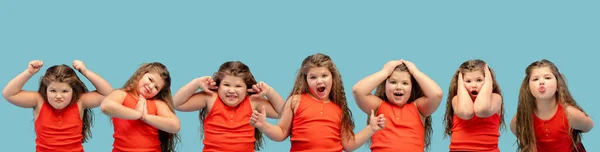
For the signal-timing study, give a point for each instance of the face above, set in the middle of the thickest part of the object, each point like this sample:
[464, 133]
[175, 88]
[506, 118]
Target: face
[59, 94]
[398, 87]
[542, 83]
[473, 82]
[150, 84]
[232, 90]
[319, 81]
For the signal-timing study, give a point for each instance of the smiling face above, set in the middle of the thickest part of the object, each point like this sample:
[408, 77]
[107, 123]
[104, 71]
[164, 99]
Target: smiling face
[232, 90]
[59, 94]
[319, 81]
[150, 84]
[542, 83]
[398, 87]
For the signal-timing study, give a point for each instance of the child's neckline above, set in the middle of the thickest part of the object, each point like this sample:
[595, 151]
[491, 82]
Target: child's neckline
[316, 99]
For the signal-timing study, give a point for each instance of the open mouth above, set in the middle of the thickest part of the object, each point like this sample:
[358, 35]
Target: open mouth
[321, 88]
[398, 94]
[474, 92]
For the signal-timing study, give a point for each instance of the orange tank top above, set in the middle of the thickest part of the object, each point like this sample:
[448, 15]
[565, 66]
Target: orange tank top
[316, 126]
[227, 128]
[59, 130]
[135, 135]
[404, 130]
[553, 134]
[475, 134]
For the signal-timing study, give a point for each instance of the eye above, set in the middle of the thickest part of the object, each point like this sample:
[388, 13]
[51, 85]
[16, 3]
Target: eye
[479, 80]
[325, 76]
[393, 82]
[468, 81]
[156, 87]
[534, 79]
[238, 86]
[548, 78]
[151, 80]
[226, 84]
[65, 91]
[312, 77]
[52, 90]
[405, 83]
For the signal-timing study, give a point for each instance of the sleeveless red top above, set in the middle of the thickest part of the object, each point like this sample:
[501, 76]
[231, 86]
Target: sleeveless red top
[228, 129]
[404, 130]
[475, 134]
[553, 134]
[316, 126]
[136, 135]
[59, 130]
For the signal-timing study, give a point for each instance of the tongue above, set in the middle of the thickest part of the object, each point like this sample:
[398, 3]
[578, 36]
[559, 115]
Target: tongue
[321, 89]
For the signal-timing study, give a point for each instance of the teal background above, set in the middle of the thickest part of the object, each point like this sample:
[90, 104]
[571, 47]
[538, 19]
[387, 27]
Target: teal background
[273, 37]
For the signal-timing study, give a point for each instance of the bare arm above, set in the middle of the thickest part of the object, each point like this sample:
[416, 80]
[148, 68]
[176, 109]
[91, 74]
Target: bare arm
[103, 88]
[579, 120]
[375, 124]
[276, 132]
[513, 125]
[462, 102]
[274, 102]
[165, 119]
[186, 98]
[112, 106]
[487, 103]
[363, 88]
[12, 91]
[433, 93]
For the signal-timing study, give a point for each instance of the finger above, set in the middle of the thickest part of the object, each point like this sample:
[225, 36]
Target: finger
[372, 113]
[251, 90]
[255, 87]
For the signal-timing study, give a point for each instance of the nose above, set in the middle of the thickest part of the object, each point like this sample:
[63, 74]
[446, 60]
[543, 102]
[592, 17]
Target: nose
[319, 80]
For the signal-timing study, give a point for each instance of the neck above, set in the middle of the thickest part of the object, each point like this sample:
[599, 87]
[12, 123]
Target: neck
[545, 104]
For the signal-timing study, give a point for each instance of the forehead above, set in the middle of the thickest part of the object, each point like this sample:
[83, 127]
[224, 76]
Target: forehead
[156, 77]
[232, 79]
[473, 74]
[318, 70]
[59, 85]
[541, 71]
[400, 75]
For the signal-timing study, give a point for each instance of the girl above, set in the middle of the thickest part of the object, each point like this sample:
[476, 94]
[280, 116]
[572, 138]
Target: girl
[224, 115]
[316, 113]
[474, 108]
[408, 98]
[548, 118]
[62, 105]
[142, 111]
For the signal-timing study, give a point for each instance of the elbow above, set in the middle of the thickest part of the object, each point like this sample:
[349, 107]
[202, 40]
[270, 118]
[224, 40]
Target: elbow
[465, 115]
[176, 129]
[279, 139]
[589, 127]
[105, 107]
[483, 113]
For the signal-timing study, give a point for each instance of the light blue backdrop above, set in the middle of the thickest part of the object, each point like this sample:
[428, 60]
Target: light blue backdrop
[194, 37]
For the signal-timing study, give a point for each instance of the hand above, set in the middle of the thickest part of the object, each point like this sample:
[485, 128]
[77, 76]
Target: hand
[487, 74]
[206, 83]
[258, 119]
[460, 81]
[409, 65]
[34, 66]
[376, 123]
[261, 89]
[79, 66]
[141, 106]
[391, 65]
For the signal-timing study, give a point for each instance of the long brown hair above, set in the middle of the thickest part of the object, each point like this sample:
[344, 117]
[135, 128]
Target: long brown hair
[415, 94]
[527, 105]
[168, 141]
[337, 94]
[236, 69]
[468, 66]
[65, 74]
